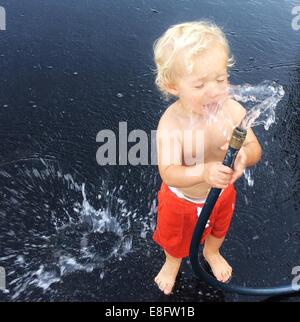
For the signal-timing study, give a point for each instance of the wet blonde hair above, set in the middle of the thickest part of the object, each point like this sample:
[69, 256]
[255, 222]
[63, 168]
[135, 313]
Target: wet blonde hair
[192, 38]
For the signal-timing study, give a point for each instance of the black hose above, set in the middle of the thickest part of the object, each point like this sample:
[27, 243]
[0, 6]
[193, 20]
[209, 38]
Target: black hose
[234, 146]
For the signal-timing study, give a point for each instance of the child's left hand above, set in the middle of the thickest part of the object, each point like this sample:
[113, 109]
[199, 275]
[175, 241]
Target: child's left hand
[240, 163]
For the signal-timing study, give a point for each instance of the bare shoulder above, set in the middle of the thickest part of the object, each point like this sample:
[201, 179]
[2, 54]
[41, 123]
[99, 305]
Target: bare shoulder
[168, 120]
[235, 110]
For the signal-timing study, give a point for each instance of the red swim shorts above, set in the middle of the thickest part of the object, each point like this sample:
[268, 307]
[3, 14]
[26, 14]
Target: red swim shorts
[177, 217]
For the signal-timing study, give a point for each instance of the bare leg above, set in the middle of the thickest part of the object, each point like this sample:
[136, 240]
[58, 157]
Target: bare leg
[165, 279]
[220, 268]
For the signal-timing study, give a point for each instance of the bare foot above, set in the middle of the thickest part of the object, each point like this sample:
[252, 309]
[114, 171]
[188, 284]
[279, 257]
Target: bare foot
[165, 279]
[219, 266]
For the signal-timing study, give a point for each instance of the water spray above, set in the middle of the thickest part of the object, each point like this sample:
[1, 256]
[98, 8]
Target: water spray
[236, 142]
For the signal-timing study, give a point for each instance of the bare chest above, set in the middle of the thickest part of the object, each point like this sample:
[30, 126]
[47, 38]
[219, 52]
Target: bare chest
[202, 143]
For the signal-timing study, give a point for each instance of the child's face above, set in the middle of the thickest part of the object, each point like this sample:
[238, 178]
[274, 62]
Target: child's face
[208, 83]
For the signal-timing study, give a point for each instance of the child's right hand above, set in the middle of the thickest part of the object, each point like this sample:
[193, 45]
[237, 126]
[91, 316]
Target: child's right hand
[217, 175]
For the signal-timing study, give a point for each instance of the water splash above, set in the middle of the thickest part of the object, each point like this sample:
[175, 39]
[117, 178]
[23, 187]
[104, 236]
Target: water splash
[263, 99]
[50, 229]
[214, 113]
[259, 100]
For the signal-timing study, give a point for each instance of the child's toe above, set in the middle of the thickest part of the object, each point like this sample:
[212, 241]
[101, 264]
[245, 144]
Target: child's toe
[168, 288]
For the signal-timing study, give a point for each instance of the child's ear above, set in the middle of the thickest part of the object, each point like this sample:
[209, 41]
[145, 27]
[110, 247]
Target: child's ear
[172, 89]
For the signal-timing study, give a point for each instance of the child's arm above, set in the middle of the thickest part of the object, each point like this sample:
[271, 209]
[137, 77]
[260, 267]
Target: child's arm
[252, 149]
[249, 154]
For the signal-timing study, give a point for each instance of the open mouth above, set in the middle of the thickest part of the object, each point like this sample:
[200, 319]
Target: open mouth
[211, 108]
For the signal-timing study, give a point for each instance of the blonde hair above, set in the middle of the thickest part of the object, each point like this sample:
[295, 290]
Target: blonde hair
[191, 38]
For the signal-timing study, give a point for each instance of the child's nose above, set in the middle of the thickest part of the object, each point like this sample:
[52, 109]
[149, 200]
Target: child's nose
[217, 92]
